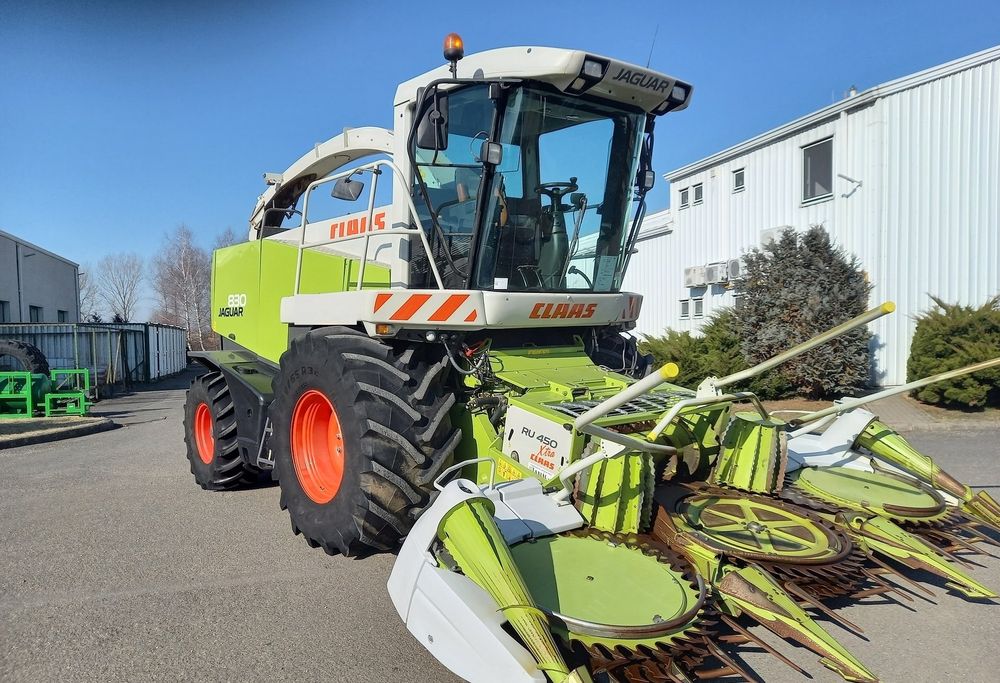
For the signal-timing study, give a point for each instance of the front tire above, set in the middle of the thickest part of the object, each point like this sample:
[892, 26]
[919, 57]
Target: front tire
[360, 433]
[210, 435]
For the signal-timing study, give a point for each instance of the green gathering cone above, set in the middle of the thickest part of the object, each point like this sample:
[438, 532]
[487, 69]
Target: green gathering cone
[471, 536]
[888, 539]
[754, 592]
[983, 509]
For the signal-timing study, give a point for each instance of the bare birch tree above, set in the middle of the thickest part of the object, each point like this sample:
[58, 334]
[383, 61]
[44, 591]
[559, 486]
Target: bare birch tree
[90, 295]
[226, 238]
[119, 281]
[182, 273]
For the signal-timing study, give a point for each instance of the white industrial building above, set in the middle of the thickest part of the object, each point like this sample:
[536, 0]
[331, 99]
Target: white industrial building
[905, 175]
[36, 286]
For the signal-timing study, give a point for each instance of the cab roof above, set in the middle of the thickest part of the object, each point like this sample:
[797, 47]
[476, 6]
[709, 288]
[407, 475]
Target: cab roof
[608, 78]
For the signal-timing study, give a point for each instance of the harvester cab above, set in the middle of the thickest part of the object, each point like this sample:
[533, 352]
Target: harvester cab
[518, 181]
[449, 375]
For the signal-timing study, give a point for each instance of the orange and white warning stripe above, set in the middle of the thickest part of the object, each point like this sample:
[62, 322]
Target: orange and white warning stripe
[427, 308]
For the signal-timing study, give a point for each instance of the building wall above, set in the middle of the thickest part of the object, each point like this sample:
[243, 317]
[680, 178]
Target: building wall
[923, 221]
[47, 281]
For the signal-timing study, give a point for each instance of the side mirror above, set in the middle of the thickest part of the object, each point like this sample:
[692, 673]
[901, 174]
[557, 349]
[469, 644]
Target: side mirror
[347, 189]
[646, 179]
[432, 129]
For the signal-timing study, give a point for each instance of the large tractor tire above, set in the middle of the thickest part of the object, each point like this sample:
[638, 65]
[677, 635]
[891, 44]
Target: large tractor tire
[210, 435]
[360, 433]
[25, 357]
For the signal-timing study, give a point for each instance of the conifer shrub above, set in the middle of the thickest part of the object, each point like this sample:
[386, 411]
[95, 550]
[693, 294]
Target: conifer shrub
[794, 288]
[951, 336]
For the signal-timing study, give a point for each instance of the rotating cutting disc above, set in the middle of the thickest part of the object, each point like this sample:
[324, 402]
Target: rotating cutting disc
[791, 543]
[626, 601]
[759, 529]
[884, 494]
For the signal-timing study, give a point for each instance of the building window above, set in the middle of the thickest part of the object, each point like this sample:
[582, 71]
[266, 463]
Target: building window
[699, 307]
[685, 309]
[684, 198]
[817, 171]
[5, 312]
[63, 316]
[698, 193]
[35, 314]
[739, 301]
[738, 180]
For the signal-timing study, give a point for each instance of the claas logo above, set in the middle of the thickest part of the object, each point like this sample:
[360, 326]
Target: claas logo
[543, 310]
[357, 225]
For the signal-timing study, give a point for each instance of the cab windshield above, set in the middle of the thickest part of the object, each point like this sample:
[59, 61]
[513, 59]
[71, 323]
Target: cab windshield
[555, 213]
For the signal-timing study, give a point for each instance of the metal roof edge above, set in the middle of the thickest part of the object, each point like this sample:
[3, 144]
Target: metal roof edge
[655, 224]
[859, 100]
[15, 238]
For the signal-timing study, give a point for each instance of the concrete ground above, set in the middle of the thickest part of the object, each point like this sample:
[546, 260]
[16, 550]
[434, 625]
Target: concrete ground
[114, 565]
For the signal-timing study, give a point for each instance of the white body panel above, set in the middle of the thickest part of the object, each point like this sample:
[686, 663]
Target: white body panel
[834, 448]
[532, 440]
[455, 619]
[459, 309]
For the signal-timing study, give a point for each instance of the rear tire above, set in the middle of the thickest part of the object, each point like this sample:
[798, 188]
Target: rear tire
[360, 433]
[29, 358]
[210, 435]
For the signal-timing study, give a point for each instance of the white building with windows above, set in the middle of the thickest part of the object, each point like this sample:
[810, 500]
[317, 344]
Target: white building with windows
[36, 286]
[905, 175]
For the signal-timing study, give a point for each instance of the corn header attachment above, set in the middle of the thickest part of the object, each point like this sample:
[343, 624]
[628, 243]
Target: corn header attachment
[678, 525]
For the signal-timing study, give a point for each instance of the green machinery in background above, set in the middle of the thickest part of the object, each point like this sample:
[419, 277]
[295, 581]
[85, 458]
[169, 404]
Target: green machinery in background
[61, 392]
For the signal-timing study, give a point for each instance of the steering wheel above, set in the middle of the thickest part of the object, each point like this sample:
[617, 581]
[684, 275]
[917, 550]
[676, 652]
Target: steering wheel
[557, 190]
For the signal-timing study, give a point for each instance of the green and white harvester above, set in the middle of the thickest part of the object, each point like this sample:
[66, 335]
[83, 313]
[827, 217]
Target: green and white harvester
[441, 367]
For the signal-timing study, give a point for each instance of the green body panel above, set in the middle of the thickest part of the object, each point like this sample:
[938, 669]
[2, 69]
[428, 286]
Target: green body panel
[540, 380]
[250, 279]
[754, 454]
[618, 493]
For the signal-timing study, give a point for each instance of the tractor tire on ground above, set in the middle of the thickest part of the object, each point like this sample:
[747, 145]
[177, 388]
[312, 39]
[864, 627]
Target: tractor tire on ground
[26, 357]
[210, 435]
[360, 433]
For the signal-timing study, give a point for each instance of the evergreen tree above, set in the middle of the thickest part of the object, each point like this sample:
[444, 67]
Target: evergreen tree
[795, 288]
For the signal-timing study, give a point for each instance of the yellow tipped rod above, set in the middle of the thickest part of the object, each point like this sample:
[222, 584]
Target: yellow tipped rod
[852, 403]
[824, 337]
[646, 384]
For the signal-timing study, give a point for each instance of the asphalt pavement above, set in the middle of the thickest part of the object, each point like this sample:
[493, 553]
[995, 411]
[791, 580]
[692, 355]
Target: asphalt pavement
[115, 566]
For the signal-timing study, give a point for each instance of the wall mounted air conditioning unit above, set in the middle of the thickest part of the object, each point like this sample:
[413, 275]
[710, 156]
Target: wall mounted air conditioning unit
[736, 269]
[695, 276]
[717, 273]
[773, 234]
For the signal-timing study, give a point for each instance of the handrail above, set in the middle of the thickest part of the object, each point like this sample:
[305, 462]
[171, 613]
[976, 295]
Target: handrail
[634, 390]
[822, 338]
[373, 168]
[852, 403]
[676, 409]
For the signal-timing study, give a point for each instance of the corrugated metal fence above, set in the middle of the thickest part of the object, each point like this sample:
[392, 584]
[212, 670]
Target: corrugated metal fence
[115, 354]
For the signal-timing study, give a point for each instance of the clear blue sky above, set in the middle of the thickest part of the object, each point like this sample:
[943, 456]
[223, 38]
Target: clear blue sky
[119, 120]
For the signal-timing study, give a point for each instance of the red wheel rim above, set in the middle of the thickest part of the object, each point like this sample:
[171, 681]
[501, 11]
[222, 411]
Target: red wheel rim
[203, 437]
[317, 447]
